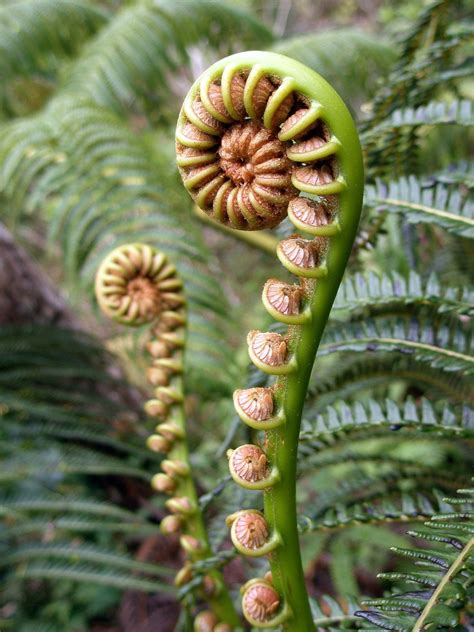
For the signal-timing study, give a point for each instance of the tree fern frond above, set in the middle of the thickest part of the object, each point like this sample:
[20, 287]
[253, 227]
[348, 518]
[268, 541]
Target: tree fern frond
[331, 614]
[34, 34]
[74, 524]
[425, 200]
[350, 59]
[440, 594]
[434, 113]
[148, 41]
[54, 460]
[341, 422]
[375, 292]
[102, 187]
[75, 428]
[89, 573]
[79, 553]
[438, 346]
[398, 506]
[57, 503]
[359, 373]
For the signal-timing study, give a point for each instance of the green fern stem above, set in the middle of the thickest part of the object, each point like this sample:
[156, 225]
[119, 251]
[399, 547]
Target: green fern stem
[135, 285]
[280, 130]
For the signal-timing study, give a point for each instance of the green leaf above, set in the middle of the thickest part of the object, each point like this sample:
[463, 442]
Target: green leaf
[438, 345]
[341, 422]
[351, 60]
[425, 200]
[377, 293]
[147, 42]
[76, 553]
[447, 569]
[89, 573]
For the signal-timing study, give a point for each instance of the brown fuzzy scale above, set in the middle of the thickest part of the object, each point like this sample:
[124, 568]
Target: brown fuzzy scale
[304, 253]
[261, 601]
[250, 463]
[269, 348]
[251, 530]
[256, 402]
[309, 212]
[285, 298]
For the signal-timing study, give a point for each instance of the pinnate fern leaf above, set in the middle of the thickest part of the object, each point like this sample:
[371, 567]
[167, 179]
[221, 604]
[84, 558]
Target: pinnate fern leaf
[375, 293]
[439, 594]
[425, 200]
[438, 345]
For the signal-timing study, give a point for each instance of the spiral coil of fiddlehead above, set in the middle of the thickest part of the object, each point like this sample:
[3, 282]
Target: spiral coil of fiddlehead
[135, 285]
[261, 137]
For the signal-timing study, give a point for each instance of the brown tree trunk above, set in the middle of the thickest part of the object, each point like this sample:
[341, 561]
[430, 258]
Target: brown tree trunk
[26, 294]
[27, 297]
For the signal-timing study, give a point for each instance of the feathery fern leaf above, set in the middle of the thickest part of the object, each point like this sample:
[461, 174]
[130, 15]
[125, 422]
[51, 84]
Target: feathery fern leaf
[351, 60]
[434, 113]
[101, 187]
[66, 551]
[357, 373]
[53, 460]
[146, 43]
[399, 506]
[331, 614]
[374, 293]
[427, 200]
[440, 346]
[341, 422]
[57, 503]
[441, 590]
[35, 34]
[90, 573]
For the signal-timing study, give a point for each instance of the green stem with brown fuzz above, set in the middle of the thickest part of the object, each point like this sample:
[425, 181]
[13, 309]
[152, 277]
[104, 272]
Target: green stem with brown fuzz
[256, 130]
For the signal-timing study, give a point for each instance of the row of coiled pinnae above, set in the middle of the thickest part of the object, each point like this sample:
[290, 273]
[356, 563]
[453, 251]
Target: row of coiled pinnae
[248, 144]
[251, 151]
[135, 285]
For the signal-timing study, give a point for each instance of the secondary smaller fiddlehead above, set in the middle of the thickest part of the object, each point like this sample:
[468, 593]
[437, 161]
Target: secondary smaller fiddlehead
[135, 285]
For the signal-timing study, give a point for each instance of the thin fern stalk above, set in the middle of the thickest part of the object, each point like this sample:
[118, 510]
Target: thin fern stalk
[300, 139]
[135, 285]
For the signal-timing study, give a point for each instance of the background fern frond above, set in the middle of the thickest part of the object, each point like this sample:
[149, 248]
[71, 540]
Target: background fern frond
[147, 42]
[34, 36]
[439, 594]
[351, 60]
[339, 422]
[374, 293]
[425, 200]
[438, 346]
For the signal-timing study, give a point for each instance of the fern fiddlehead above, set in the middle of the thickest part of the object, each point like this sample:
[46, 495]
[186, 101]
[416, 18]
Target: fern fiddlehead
[261, 137]
[135, 285]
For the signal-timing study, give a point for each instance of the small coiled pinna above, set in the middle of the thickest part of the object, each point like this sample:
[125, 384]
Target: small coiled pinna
[136, 285]
[261, 137]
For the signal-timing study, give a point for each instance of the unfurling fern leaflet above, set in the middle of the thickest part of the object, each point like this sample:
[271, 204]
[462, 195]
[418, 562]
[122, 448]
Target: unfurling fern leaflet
[261, 137]
[136, 284]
